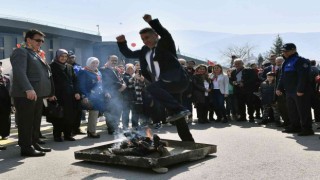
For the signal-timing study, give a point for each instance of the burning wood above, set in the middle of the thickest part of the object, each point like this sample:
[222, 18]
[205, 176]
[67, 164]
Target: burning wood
[139, 145]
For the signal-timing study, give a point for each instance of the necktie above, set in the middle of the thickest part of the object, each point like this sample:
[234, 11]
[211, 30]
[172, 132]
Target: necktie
[153, 69]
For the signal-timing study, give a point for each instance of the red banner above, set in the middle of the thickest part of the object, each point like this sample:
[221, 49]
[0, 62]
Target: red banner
[210, 63]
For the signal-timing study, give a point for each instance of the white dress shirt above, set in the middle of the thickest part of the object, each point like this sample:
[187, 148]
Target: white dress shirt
[156, 65]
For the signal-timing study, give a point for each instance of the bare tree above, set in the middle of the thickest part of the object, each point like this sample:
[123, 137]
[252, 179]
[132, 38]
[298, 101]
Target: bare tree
[242, 52]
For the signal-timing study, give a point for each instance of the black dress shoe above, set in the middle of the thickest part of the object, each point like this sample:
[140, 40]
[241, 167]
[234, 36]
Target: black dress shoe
[241, 119]
[263, 122]
[69, 138]
[42, 137]
[3, 147]
[42, 149]
[292, 130]
[251, 119]
[278, 124]
[41, 142]
[225, 120]
[178, 115]
[306, 133]
[218, 120]
[30, 152]
[58, 139]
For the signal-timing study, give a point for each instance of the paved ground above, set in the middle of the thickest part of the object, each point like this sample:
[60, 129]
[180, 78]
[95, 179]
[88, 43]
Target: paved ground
[245, 151]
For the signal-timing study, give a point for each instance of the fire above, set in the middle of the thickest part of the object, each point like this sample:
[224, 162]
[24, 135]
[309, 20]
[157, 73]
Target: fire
[149, 133]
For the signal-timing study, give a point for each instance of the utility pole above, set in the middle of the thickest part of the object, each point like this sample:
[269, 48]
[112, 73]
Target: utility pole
[98, 29]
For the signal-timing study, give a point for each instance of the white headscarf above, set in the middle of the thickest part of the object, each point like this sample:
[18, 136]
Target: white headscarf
[90, 60]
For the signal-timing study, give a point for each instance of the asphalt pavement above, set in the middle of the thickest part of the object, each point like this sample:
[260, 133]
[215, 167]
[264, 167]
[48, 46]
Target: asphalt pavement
[244, 151]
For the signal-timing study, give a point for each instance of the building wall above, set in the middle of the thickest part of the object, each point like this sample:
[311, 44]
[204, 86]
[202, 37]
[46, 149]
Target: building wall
[83, 49]
[105, 49]
[12, 32]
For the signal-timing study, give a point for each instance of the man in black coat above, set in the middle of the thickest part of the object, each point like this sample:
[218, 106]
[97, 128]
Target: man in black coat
[159, 65]
[244, 81]
[281, 100]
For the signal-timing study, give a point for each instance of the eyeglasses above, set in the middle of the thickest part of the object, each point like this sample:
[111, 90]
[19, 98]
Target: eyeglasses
[39, 40]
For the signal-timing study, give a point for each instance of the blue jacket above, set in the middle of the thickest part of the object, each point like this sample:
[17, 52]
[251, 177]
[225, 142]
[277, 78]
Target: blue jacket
[76, 68]
[90, 86]
[295, 75]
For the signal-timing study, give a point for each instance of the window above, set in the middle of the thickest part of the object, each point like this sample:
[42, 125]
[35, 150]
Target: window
[1, 47]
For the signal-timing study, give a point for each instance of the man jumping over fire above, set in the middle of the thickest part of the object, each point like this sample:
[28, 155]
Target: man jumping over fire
[160, 66]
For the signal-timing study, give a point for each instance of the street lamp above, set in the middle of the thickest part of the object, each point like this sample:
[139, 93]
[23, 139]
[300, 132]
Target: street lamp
[98, 29]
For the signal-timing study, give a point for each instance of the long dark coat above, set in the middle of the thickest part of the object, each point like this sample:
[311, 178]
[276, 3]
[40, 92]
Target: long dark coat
[5, 106]
[65, 89]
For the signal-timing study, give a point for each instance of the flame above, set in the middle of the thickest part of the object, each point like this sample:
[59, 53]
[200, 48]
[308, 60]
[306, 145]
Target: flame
[149, 133]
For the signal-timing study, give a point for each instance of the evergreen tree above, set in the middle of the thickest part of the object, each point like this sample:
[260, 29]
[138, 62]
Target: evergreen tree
[276, 49]
[260, 60]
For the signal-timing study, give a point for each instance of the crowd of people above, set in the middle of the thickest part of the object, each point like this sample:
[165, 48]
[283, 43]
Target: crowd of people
[158, 89]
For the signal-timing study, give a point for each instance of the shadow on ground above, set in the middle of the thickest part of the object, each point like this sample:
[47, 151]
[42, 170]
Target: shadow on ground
[116, 171]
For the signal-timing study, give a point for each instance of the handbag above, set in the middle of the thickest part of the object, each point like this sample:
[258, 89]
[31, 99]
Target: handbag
[54, 110]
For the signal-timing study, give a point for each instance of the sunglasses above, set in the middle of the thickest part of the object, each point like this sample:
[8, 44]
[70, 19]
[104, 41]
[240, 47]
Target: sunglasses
[39, 40]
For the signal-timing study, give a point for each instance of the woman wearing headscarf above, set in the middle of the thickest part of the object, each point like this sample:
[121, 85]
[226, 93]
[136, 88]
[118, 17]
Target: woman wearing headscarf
[66, 93]
[90, 86]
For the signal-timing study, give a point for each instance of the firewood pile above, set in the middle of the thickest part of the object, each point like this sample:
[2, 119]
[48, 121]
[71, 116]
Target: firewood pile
[136, 144]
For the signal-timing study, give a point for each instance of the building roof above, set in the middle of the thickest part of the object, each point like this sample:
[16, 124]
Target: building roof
[8, 25]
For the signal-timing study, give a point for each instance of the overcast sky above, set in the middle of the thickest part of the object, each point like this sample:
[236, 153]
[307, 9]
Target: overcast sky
[121, 16]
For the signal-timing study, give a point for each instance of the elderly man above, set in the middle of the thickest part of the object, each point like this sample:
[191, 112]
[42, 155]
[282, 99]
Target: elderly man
[159, 65]
[281, 100]
[114, 85]
[295, 81]
[244, 81]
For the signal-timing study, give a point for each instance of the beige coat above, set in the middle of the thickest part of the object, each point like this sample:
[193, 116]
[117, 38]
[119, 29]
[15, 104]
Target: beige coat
[223, 82]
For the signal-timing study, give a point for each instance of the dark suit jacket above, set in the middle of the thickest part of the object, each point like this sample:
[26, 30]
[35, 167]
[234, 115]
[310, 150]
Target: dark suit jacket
[165, 54]
[111, 82]
[30, 73]
[249, 79]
